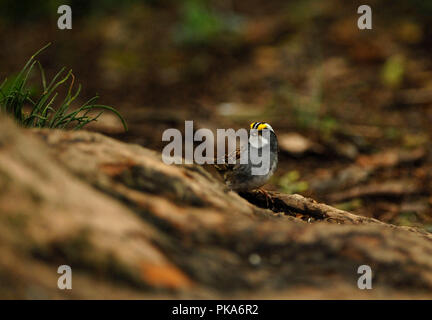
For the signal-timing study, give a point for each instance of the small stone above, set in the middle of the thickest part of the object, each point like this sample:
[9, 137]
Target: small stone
[254, 259]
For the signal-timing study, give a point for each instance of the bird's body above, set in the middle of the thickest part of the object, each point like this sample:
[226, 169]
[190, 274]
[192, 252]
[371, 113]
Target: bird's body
[241, 177]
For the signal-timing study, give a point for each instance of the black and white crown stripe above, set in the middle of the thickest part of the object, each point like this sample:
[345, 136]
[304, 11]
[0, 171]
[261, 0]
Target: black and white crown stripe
[257, 124]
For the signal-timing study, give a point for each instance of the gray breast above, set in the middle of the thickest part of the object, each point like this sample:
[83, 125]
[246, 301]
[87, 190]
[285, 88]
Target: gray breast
[242, 178]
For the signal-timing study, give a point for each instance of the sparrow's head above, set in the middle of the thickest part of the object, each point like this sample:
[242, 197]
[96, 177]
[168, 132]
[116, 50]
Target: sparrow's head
[260, 126]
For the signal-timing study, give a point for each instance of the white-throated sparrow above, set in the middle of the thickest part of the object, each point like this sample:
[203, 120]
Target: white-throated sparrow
[241, 177]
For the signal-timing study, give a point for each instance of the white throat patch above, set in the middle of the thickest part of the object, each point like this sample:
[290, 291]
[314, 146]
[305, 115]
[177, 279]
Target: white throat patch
[258, 141]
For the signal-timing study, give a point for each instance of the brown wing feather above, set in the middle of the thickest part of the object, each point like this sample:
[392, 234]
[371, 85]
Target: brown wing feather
[235, 155]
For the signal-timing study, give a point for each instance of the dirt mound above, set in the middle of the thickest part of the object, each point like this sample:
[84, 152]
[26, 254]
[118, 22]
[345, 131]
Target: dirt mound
[132, 227]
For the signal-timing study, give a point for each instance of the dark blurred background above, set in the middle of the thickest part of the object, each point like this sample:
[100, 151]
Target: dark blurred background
[352, 108]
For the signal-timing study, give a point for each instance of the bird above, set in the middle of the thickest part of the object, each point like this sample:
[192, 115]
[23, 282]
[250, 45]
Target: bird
[239, 177]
